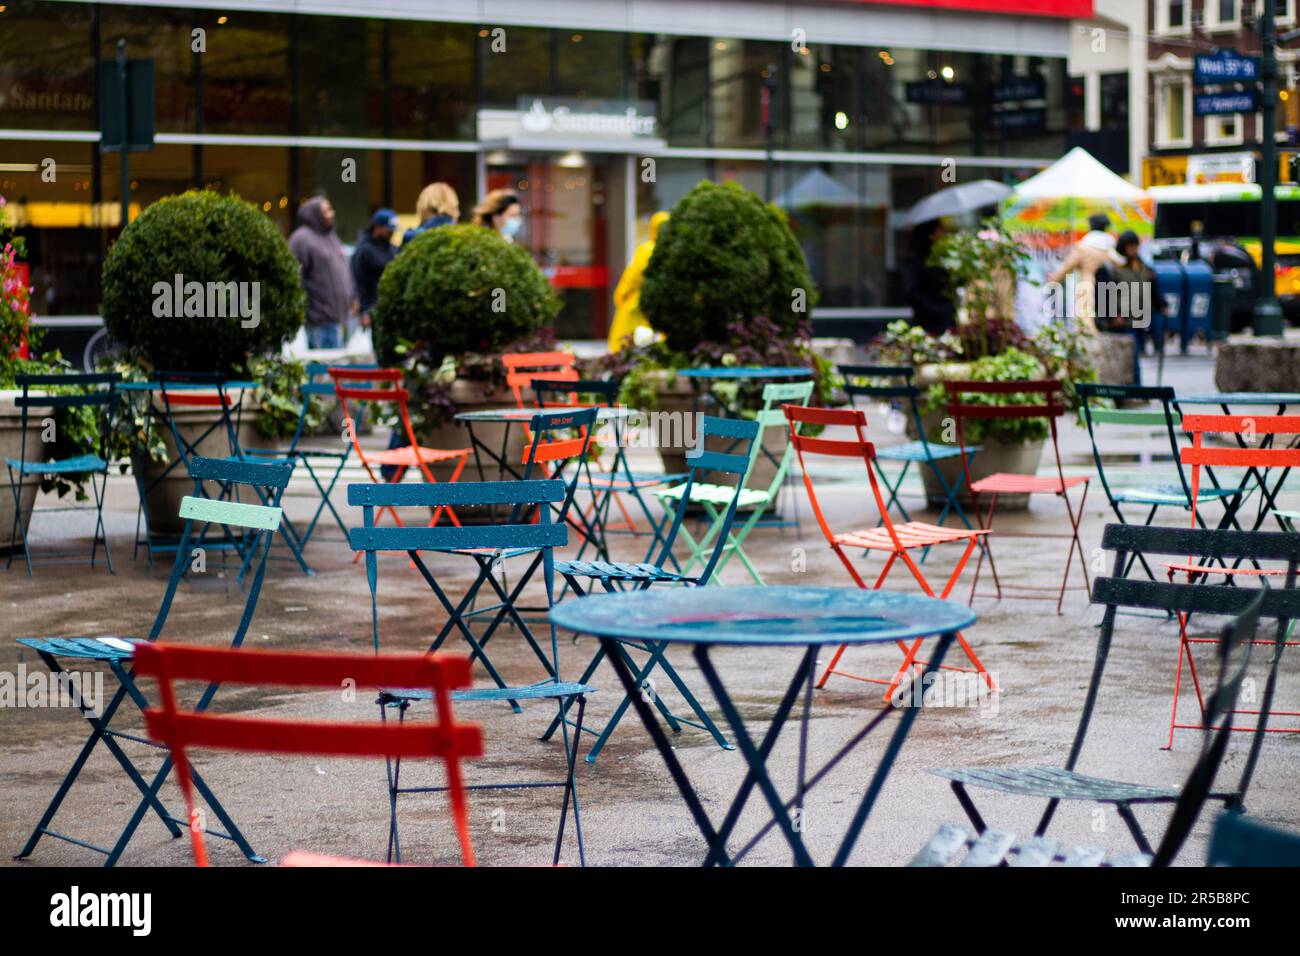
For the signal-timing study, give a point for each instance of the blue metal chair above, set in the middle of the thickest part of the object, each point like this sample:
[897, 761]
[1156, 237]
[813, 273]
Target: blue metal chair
[919, 452]
[93, 391]
[1149, 494]
[616, 576]
[488, 545]
[312, 389]
[261, 521]
[606, 486]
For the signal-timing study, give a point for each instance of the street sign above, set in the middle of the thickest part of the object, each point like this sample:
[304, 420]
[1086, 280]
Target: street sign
[139, 111]
[1225, 66]
[1018, 88]
[1221, 168]
[1221, 104]
[1164, 171]
[937, 91]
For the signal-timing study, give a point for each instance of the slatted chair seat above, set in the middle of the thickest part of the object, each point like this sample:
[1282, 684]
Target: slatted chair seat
[915, 451]
[545, 691]
[498, 553]
[638, 572]
[65, 466]
[1171, 494]
[999, 848]
[715, 495]
[81, 648]
[1005, 483]
[1056, 783]
[911, 534]
[411, 457]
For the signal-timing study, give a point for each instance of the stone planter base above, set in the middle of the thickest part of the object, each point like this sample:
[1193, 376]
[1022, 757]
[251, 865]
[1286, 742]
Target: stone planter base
[1248, 364]
[994, 457]
[11, 446]
[1112, 356]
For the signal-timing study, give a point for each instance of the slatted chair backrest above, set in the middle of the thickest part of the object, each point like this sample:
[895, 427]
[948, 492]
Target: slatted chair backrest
[1249, 428]
[563, 392]
[179, 729]
[1048, 405]
[857, 447]
[361, 384]
[182, 390]
[1280, 604]
[371, 540]
[523, 367]
[1096, 417]
[543, 450]
[262, 521]
[886, 383]
[1240, 841]
[92, 390]
[741, 434]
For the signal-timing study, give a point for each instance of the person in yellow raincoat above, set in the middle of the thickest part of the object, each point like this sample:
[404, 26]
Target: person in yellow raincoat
[627, 297]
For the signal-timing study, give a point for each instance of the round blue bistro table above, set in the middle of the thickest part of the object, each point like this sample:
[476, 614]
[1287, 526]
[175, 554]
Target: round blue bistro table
[1225, 401]
[778, 616]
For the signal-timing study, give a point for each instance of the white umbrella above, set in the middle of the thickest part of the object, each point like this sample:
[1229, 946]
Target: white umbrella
[815, 188]
[965, 197]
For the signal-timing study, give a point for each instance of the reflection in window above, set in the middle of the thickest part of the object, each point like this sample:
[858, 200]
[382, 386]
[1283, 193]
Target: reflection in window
[431, 69]
[340, 81]
[523, 68]
[45, 67]
[246, 78]
[165, 37]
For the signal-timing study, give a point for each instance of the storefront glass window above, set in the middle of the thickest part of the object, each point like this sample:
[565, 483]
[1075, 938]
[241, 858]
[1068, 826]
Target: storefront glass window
[247, 84]
[524, 67]
[340, 80]
[354, 198]
[165, 37]
[45, 66]
[431, 77]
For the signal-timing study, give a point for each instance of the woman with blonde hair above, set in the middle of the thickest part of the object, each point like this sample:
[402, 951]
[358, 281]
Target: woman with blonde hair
[500, 210]
[437, 205]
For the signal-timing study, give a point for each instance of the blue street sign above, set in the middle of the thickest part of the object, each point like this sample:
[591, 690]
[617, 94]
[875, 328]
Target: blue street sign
[1226, 66]
[1220, 104]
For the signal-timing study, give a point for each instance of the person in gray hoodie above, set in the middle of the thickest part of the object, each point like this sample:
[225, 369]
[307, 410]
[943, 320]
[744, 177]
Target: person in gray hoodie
[326, 275]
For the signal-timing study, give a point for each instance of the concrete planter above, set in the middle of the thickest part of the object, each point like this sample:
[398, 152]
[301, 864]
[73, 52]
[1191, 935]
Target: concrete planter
[163, 501]
[11, 444]
[1248, 364]
[1111, 354]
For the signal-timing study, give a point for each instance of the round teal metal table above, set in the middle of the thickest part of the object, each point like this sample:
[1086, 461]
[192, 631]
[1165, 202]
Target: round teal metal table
[778, 616]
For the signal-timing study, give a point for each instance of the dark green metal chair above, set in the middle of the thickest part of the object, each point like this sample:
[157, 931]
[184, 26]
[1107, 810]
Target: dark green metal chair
[1241, 841]
[1066, 783]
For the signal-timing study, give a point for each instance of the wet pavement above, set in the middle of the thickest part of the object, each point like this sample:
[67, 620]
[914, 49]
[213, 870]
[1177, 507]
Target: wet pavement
[631, 811]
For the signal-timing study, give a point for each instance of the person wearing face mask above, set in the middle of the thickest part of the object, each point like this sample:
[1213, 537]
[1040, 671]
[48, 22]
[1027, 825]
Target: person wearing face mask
[501, 210]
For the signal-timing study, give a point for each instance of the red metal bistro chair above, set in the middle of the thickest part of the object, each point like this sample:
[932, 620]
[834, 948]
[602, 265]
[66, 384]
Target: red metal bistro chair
[896, 540]
[1050, 407]
[1257, 461]
[523, 367]
[179, 729]
[384, 385]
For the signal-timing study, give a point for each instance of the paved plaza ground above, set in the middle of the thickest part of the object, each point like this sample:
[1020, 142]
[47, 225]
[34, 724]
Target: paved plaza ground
[631, 810]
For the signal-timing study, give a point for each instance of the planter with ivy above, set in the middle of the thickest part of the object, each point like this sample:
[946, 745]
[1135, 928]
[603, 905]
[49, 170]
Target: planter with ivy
[450, 304]
[986, 345]
[211, 239]
[727, 285]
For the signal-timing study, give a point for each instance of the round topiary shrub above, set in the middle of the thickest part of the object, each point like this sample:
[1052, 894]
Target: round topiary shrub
[724, 256]
[456, 290]
[200, 282]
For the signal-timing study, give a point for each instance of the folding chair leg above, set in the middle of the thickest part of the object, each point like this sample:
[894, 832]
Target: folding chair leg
[1126, 814]
[972, 814]
[571, 749]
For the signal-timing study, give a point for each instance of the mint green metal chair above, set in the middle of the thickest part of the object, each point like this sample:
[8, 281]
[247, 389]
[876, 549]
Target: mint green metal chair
[715, 500]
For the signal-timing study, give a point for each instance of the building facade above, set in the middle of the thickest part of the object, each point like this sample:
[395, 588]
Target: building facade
[597, 113]
[1187, 148]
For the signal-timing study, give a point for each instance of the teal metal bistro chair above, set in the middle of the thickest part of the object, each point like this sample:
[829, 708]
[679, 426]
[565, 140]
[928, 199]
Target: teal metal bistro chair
[719, 500]
[488, 545]
[1139, 426]
[1240, 841]
[95, 391]
[261, 522]
[312, 390]
[893, 384]
[614, 576]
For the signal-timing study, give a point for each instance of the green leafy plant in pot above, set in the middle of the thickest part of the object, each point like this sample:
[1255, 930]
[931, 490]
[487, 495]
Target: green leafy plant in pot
[727, 285]
[453, 300]
[203, 281]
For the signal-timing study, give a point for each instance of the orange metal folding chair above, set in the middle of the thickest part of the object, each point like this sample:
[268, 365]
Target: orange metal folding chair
[523, 367]
[385, 385]
[1257, 461]
[1049, 406]
[179, 729]
[895, 540]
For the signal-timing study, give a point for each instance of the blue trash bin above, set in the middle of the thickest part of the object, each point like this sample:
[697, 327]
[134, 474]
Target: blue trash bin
[1200, 298]
[1171, 291]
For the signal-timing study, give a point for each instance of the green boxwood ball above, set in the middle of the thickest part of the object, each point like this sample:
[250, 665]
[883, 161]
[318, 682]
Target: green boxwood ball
[459, 289]
[204, 237]
[724, 256]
